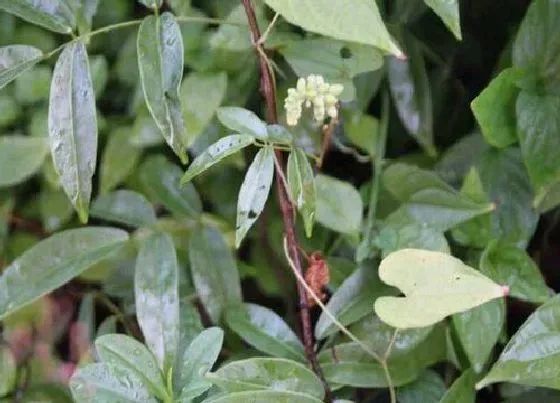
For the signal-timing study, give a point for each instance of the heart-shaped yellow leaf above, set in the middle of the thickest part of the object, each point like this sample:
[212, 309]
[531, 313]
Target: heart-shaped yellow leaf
[435, 285]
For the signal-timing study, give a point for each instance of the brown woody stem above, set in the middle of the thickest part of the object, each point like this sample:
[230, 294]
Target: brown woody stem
[269, 92]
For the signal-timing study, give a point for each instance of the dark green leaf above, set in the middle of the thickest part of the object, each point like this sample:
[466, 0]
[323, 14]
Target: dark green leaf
[494, 109]
[448, 11]
[263, 329]
[267, 374]
[119, 160]
[339, 206]
[53, 262]
[55, 208]
[242, 121]
[462, 390]
[223, 148]
[161, 179]
[125, 207]
[20, 158]
[429, 388]
[55, 16]
[160, 62]
[301, 183]
[15, 59]
[214, 272]
[254, 192]
[108, 383]
[348, 20]
[73, 125]
[118, 349]
[157, 301]
[507, 264]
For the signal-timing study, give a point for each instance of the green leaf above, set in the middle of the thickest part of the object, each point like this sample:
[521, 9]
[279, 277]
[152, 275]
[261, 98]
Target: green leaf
[264, 396]
[267, 374]
[201, 95]
[53, 262]
[242, 121]
[119, 160]
[33, 85]
[221, 149]
[429, 200]
[531, 356]
[279, 134]
[125, 207]
[337, 61]
[55, 208]
[122, 350]
[362, 130]
[191, 326]
[352, 300]
[348, 20]
[263, 329]
[99, 71]
[538, 124]
[339, 206]
[161, 179]
[8, 371]
[16, 59]
[494, 109]
[214, 272]
[157, 301]
[507, 264]
[151, 3]
[254, 192]
[429, 388]
[537, 45]
[448, 11]
[54, 16]
[108, 383]
[435, 284]
[478, 330]
[411, 91]
[301, 183]
[160, 62]
[198, 359]
[462, 390]
[20, 158]
[73, 125]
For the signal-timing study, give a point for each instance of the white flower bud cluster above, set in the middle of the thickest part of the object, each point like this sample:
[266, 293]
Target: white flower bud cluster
[312, 91]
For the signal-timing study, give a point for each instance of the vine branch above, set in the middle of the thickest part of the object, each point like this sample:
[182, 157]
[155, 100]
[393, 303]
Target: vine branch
[268, 90]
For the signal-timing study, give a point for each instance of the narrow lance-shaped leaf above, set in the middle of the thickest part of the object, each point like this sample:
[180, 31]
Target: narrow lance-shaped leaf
[448, 11]
[157, 297]
[125, 207]
[254, 192]
[15, 59]
[435, 285]
[56, 16]
[221, 149]
[53, 262]
[302, 187]
[242, 121]
[73, 125]
[349, 20]
[160, 62]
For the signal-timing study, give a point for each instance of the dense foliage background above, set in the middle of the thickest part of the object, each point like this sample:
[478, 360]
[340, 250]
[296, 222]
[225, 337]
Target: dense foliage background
[137, 268]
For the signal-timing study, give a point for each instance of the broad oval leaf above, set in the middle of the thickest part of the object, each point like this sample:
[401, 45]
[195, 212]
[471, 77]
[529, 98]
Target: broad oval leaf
[221, 149]
[160, 62]
[448, 11]
[214, 272]
[108, 383]
[348, 20]
[161, 179]
[16, 59]
[242, 121]
[122, 350]
[198, 359]
[435, 284]
[53, 262]
[156, 293]
[20, 158]
[267, 374]
[339, 205]
[73, 125]
[254, 192]
[531, 356]
[301, 183]
[125, 207]
[263, 329]
[56, 16]
[265, 396]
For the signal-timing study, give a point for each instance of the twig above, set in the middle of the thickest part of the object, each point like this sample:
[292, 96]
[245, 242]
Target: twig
[269, 91]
